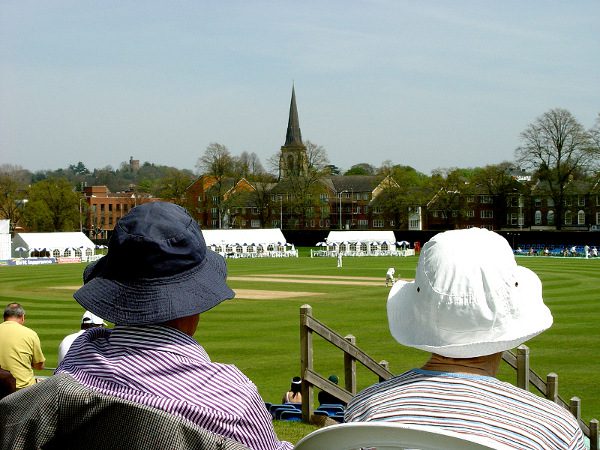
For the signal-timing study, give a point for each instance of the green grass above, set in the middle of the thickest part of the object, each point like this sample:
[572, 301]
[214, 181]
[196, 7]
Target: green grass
[261, 337]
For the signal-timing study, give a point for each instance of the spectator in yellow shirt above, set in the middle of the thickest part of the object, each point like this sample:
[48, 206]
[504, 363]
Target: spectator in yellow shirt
[20, 349]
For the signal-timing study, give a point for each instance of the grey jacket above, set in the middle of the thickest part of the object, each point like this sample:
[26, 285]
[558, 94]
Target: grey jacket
[60, 413]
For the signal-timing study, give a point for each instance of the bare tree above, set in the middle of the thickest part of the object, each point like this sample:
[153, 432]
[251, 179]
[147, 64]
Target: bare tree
[218, 163]
[557, 147]
[248, 166]
[316, 156]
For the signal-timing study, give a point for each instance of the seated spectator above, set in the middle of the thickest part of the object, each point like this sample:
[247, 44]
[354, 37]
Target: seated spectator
[20, 347]
[156, 279]
[88, 321]
[8, 384]
[466, 307]
[293, 395]
[325, 398]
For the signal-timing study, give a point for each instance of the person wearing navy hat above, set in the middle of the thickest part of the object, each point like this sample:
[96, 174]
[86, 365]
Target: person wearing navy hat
[156, 279]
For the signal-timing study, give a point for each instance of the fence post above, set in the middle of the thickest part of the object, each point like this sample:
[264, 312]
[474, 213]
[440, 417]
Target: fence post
[386, 366]
[552, 387]
[306, 361]
[575, 407]
[350, 367]
[523, 367]
[594, 444]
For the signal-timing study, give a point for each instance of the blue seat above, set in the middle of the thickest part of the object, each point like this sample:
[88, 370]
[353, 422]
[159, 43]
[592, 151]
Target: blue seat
[274, 409]
[331, 409]
[290, 415]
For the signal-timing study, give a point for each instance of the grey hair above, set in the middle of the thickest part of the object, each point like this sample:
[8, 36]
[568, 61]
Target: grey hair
[13, 310]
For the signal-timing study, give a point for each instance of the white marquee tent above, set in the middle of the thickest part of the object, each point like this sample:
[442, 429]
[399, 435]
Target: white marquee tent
[253, 243]
[362, 243]
[59, 244]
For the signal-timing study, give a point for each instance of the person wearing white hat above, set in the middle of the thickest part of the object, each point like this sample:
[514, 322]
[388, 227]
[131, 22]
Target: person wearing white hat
[89, 320]
[469, 302]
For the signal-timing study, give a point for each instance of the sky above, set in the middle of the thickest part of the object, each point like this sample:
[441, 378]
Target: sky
[427, 84]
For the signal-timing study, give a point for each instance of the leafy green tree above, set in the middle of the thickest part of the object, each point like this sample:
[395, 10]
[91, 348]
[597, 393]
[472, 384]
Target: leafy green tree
[13, 184]
[361, 169]
[557, 147]
[53, 206]
[173, 184]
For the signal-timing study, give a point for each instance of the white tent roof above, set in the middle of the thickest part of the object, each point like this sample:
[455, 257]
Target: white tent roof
[360, 236]
[51, 241]
[233, 236]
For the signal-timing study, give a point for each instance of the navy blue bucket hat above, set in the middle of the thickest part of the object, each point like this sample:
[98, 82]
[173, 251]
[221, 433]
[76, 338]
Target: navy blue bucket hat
[157, 269]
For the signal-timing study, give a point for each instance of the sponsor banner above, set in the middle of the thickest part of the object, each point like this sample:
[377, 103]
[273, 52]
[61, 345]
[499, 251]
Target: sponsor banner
[34, 261]
[67, 260]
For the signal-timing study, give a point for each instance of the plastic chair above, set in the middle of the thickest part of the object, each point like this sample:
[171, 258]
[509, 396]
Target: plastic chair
[388, 436]
[331, 409]
[290, 415]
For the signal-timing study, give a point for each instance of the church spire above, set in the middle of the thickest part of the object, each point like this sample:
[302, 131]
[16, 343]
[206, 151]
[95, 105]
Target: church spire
[293, 135]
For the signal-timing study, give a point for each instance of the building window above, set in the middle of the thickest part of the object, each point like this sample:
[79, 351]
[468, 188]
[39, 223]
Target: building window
[550, 217]
[363, 223]
[550, 202]
[366, 196]
[413, 224]
[214, 211]
[214, 223]
[392, 223]
[514, 217]
[580, 217]
[538, 217]
[568, 218]
[487, 214]
[434, 213]
[486, 199]
[255, 223]
[377, 209]
[597, 200]
[537, 202]
[215, 199]
[580, 200]
[598, 218]
[324, 198]
[470, 199]
[254, 210]
[471, 213]
[377, 223]
[357, 210]
[568, 201]
[347, 194]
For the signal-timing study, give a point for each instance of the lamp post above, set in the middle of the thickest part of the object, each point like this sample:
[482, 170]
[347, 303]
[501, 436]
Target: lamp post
[80, 214]
[340, 208]
[281, 211]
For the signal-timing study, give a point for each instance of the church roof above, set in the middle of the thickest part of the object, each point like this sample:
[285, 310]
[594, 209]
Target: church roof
[293, 135]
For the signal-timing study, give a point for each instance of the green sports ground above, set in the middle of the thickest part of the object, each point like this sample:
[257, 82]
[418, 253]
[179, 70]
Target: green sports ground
[259, 330]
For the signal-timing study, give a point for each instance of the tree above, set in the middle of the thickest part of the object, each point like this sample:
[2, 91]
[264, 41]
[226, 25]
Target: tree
[218, 163]
[316, 156]
[361, 169]
[557, 147]
[13, 183]
[173, 185]
[52, 206]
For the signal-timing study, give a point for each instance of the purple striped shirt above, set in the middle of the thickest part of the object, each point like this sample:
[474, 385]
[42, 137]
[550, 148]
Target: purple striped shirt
[166, 369]
[477, 405]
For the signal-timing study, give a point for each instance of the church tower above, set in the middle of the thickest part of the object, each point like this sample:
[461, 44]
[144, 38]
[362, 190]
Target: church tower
[293, 159]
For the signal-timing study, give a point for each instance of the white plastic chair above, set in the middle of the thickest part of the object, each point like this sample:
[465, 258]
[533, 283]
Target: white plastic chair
[388, 436]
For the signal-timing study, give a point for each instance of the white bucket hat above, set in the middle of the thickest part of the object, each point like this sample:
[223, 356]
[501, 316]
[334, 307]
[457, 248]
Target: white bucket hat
[469, 298]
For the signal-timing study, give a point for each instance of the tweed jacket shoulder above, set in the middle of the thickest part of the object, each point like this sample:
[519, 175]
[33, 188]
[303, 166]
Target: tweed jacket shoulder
[61, 413]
